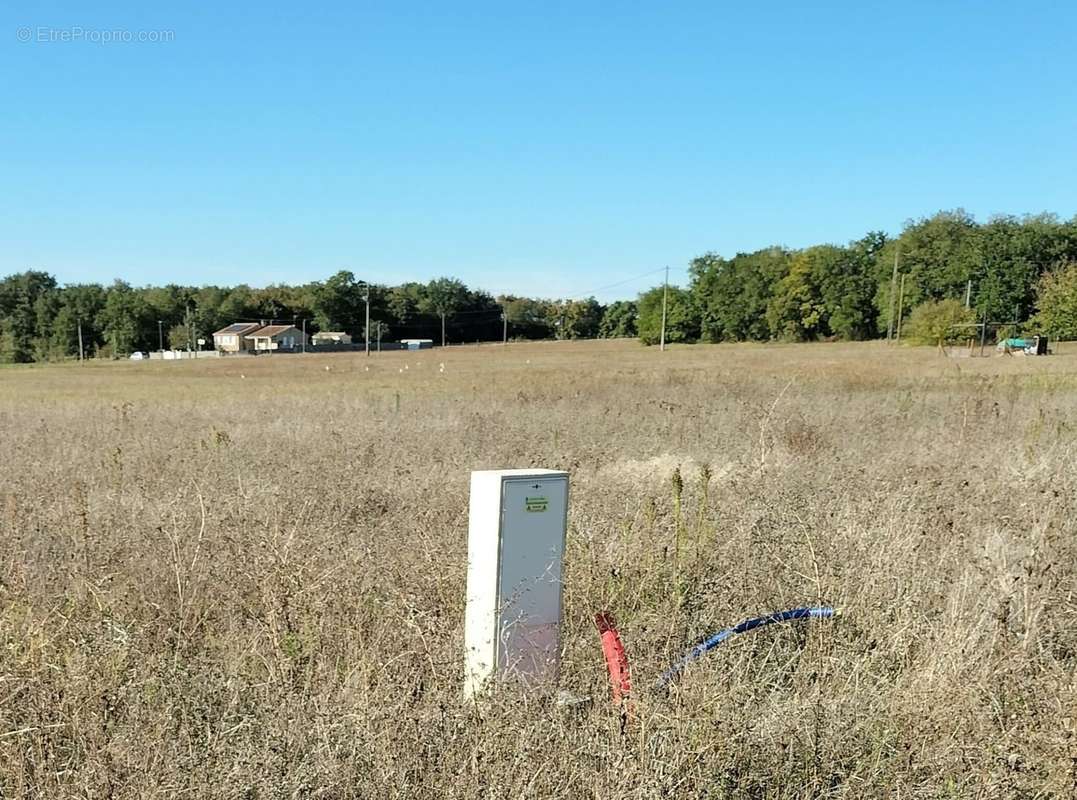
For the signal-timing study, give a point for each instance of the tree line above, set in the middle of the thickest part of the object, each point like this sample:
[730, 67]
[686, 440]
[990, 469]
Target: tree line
[1013, 272]
[949, 270]
[41, 320]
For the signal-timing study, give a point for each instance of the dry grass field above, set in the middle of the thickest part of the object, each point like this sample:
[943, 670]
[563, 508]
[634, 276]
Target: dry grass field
[245, 578]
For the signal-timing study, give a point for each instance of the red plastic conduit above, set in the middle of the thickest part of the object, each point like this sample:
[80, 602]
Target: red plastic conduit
[616, 659]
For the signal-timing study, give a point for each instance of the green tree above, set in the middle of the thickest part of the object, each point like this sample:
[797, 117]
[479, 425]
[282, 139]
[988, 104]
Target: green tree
[1013, 253]
[178, 337]
[938, 322]
[9, 353]
[796, 311]
[403, 301]
[704, 271]
[732, 295]
[24, 323]
[585, 318]
[240, 304]
[937, 254]
[682, 320]
[286, 304]
[528, 318]
[209, 302]
[575, 319]
[46, 308]
[167, 303]
[78, 305]
[479, 318]
[847, 285]
[127, 321]
[443, 297]
[339, 304]
[1056, 302]
[619, 320]
[169, 307]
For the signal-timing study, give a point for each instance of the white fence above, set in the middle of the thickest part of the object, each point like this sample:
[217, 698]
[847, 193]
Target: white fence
[175, 355]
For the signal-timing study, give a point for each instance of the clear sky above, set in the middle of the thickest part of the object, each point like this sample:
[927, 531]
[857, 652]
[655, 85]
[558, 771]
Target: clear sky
[542, 148]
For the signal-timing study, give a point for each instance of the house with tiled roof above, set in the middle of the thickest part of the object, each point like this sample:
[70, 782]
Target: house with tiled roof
[231, 339]
[276, 337]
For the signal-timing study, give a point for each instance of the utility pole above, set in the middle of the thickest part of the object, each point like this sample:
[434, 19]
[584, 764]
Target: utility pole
[983, 334]
[366, 329]
[160, 337]
[504, 326]
[901, 307]
[665, 298]
[304, 339]
[379, 335]
[968, 294]
[80, 341]
[893, 292]
[442, 328]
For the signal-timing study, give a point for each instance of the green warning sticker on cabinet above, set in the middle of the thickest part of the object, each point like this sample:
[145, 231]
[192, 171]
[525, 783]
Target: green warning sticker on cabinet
[536, 503]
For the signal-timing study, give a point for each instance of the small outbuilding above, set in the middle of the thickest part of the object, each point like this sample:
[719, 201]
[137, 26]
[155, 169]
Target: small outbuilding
[416, 344]
[330, 337]
[276, 337]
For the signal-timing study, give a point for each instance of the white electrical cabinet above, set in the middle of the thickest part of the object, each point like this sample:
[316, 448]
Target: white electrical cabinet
[515, 543]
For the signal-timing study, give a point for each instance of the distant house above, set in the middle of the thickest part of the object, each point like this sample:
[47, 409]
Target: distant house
[276, 337]
[233, 338]
[416, 344]
[330, 337]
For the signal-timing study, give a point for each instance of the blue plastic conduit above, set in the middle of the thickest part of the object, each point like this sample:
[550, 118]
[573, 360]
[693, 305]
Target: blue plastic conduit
[819, 612]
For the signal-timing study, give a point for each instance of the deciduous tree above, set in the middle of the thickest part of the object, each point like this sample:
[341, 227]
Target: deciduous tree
[938, 322]
[619, 320]
[682, 321]
[1056, 302]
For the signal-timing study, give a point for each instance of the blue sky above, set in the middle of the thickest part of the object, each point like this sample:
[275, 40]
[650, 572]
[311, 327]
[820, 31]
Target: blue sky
[545, 149]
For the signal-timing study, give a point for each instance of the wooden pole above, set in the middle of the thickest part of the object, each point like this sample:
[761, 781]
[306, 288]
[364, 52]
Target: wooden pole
[366, 330]
[80, 341]
[665, 296]
[893, 291]
[901, 307]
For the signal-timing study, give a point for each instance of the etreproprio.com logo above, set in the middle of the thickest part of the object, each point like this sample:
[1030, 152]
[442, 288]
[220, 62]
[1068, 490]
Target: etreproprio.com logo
[76, 33]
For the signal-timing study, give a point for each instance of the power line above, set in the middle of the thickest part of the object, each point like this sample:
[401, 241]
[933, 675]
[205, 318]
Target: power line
[615, 285]
[434, 315]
